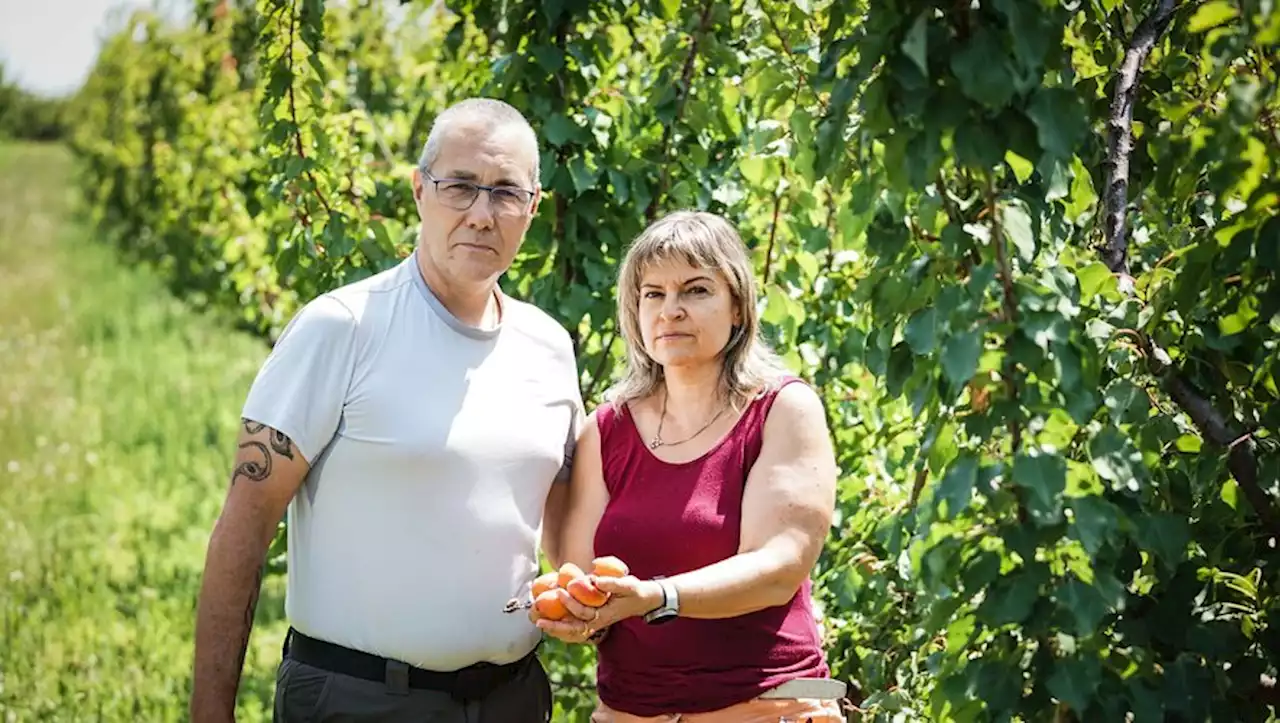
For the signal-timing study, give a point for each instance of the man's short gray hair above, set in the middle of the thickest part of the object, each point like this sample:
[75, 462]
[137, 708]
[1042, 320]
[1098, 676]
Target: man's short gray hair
[492, 112]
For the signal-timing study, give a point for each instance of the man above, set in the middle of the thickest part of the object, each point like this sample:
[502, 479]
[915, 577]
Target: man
[414, 424]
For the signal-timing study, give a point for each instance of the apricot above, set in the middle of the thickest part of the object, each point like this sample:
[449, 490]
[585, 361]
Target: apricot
[550, 606]
[568, 572]
[545, 582]
[582, 590]
[609, 566]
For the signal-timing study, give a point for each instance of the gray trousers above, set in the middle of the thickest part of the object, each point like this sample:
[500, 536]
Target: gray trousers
[306, 694]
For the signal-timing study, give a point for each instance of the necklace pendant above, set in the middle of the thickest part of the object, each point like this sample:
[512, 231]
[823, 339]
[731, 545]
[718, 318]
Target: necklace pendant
[657, 442]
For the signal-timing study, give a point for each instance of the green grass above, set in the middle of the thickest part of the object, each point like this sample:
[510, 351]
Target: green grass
[118, 409]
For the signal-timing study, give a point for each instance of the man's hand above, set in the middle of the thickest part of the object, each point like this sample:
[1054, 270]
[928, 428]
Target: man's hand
[268, 471]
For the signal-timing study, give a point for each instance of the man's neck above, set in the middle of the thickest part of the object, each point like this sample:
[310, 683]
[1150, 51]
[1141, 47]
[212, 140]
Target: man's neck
[474, 304]
[693, 394]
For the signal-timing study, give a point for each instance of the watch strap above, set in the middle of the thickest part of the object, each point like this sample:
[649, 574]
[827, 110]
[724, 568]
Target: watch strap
[670, 607]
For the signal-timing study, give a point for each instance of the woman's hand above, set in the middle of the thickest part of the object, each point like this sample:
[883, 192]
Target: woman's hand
[575, 627]
[628, 597]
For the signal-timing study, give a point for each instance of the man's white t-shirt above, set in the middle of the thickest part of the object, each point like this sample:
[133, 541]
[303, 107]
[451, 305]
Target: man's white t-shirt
[433, 446]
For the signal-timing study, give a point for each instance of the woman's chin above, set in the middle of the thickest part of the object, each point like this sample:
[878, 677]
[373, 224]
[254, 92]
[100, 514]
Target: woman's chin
[683, 362]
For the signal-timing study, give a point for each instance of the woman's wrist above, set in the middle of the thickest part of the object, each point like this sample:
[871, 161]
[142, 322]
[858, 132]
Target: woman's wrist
[654, 597]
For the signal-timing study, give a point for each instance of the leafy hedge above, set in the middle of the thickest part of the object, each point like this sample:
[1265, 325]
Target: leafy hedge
[30, 116]
[1028, 249]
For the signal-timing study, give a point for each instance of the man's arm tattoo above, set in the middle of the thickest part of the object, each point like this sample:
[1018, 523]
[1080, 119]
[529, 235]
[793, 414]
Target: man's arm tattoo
[281, 444]
[258, 462]
[249, 610]
[257, 467]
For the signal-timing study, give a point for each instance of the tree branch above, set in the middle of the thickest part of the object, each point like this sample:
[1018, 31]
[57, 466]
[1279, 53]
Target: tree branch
[597, 377]
[1242, 458]
[773, 233]
[1010, 312]
[1120, 124]
[1241, 451]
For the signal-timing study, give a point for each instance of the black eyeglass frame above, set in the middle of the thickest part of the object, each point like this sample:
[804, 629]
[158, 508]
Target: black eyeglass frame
[524, 206]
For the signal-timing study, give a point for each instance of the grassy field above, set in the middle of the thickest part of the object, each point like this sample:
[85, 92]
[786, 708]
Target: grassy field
[118, 408]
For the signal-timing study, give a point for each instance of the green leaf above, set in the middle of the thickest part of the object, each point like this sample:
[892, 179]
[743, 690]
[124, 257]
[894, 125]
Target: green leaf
[1189, 443]
[1084, 604]
[1094, 523]
[956, 488]
[921, 331]
[1230, 494]
[1093, 278]
[977, 145]
[1022, 168]
[916, 44]
[1246, 311]
[1061, 121]
[753, 169]
[1017, 228]
[1127, 402]
[1148, 707]
[559, 130]
[583, 178]
[1074, 681]
[1010, 599]
[1164, 534]
[1211, 15]
[982, 67]
[1083, 195]
[960, 354]
[1115, 459]
[777, 308]
[1044, 476]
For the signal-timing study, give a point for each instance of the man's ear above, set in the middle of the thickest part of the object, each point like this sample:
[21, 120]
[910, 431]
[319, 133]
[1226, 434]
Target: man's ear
[537, 199]
[417, 185]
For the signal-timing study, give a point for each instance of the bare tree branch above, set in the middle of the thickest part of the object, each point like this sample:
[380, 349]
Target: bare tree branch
[1213, 426]
[1120, 144]
[1242, 458]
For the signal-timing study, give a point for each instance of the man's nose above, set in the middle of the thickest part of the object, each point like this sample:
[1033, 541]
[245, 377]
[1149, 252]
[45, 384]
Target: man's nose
[480, 215]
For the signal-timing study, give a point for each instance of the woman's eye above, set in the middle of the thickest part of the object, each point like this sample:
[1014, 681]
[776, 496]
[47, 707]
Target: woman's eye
[698, 290]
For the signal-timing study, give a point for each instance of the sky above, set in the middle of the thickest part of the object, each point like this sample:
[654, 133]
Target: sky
[48, 46]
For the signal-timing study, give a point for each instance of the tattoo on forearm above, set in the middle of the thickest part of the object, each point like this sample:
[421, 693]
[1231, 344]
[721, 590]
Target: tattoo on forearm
[249, 610]
[257, 462]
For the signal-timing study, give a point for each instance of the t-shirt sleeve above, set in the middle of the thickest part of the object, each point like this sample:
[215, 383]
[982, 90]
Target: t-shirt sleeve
[302, 385]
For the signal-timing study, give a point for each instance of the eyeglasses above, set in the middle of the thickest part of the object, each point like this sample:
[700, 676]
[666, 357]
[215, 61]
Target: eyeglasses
[459, 195]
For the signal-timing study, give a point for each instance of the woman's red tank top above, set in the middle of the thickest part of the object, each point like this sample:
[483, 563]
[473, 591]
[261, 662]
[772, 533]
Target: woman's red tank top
[666, 519]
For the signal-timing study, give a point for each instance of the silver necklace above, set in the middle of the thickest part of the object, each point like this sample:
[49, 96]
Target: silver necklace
[658, 441]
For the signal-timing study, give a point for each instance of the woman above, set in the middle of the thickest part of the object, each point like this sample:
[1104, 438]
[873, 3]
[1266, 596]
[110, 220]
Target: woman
[710, 474]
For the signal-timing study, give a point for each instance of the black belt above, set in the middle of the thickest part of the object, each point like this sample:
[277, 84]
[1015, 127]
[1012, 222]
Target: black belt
[469, 683]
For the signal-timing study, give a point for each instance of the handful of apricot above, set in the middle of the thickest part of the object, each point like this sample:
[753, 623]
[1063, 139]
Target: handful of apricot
[549, 589]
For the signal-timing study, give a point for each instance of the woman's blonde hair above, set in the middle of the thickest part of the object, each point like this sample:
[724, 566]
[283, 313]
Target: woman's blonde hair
[704, 240]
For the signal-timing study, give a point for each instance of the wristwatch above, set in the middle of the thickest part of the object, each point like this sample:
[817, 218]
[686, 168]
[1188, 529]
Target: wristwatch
[670, 607]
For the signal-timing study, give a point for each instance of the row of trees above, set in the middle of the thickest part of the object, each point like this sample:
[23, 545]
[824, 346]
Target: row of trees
[1027, 249]
[29, 116]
